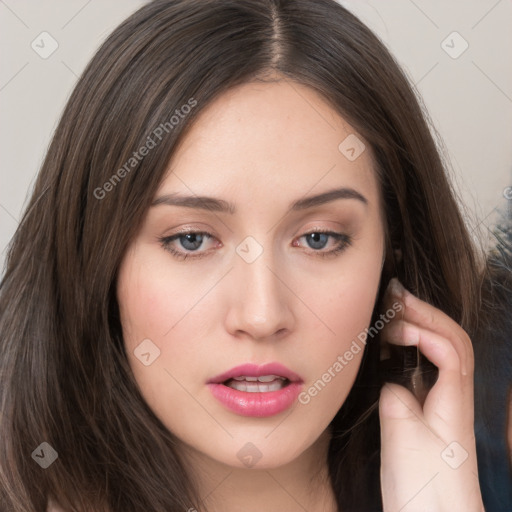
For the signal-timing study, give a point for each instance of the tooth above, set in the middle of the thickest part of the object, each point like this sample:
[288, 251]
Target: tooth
[241, 386]
[268, 378]
[251, 387]
[276, 386]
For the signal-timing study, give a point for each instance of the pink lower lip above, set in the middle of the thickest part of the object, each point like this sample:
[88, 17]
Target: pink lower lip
[256, 404]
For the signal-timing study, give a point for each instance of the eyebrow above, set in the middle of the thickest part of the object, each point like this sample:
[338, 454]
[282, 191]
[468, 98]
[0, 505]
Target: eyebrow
[222, 206]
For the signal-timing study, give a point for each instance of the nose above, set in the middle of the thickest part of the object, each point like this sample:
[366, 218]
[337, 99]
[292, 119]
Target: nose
[260, 304]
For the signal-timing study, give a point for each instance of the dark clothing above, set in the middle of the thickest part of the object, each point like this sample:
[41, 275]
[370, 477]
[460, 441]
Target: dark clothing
[493, 376]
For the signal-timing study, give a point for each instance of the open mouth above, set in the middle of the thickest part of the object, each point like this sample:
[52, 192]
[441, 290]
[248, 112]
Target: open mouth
[257, 390]
[262, 384]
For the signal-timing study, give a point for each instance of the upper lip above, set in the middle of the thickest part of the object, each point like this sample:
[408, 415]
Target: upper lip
[254, 370]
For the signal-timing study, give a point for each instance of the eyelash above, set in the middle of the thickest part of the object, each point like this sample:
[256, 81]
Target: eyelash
[343, 242]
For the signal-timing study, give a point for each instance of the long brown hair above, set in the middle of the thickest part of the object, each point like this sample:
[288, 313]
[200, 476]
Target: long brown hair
[64, 376]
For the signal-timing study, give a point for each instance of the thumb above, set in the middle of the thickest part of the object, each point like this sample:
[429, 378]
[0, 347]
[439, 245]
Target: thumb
[398, 403]
[401, 421]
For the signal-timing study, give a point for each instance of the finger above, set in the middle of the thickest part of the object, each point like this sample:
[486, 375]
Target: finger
[416, 311]
[450, 399]
[451, 382]
[437, 349]
[397, 403]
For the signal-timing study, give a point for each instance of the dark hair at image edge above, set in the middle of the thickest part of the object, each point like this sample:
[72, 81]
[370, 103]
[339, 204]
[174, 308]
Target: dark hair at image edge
[64, 375]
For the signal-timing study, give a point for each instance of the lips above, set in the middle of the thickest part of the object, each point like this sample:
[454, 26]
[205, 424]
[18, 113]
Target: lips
[258, 391]
[255, 371]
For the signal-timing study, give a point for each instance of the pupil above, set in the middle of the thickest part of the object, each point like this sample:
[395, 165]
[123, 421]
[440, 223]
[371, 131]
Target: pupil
[193, 239]
[318, 240]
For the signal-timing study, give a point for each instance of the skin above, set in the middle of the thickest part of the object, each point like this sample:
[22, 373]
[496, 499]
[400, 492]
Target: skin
[428, 456]
[262, 147]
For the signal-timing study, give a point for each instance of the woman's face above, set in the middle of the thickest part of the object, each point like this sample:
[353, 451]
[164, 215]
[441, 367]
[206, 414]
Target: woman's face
[283, 269]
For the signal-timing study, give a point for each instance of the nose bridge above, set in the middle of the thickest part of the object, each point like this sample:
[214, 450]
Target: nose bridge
[260, 303]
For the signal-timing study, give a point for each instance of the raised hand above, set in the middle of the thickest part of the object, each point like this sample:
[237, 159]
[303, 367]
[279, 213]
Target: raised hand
[428, 458]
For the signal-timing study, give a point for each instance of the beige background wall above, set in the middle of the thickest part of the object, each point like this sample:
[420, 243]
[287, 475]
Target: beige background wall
[465, 80]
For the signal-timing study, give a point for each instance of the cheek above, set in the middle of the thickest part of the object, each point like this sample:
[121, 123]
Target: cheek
[175, 313]
[152, 314]
[344, 298]
[345, 309]
[154, 302]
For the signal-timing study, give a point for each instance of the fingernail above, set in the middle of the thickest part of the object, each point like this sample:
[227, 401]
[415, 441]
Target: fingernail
[396, 288]
[413, 336]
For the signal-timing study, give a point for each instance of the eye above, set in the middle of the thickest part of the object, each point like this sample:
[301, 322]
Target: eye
[317, 240]
[187, 243]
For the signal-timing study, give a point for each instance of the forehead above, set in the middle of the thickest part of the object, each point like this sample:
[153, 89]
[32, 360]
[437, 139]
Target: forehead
[270, 136]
